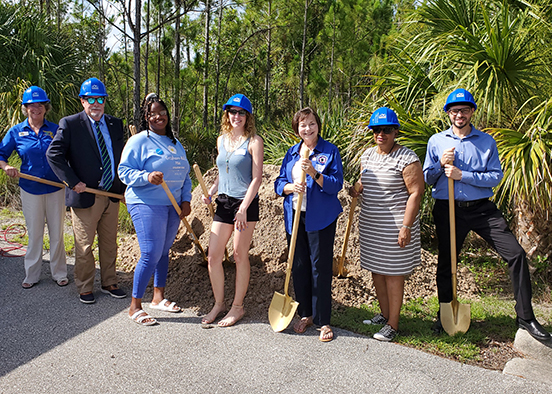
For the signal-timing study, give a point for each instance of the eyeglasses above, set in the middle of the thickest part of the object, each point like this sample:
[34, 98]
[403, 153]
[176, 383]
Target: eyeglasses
[92, 100]
[160, 113]
[463, 111]
[241, 112]
[384, 130]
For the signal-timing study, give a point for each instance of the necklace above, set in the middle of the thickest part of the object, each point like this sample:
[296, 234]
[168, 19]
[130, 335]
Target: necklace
[233, 146]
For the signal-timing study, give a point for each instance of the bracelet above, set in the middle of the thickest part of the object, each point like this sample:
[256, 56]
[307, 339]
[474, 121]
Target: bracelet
[408, 227]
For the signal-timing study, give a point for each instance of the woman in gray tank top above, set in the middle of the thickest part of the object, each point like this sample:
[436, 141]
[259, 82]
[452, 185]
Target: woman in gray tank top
[240, 166]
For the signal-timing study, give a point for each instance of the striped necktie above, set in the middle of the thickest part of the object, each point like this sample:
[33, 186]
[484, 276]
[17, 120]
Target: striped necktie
[107, 177]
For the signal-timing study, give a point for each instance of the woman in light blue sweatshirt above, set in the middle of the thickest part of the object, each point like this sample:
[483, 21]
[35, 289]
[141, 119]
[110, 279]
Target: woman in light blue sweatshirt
[148, 158]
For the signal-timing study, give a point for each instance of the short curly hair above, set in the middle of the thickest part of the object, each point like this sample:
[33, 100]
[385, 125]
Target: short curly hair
[302, 114]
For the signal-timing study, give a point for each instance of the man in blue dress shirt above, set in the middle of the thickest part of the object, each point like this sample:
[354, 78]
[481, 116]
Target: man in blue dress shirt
[470, 157]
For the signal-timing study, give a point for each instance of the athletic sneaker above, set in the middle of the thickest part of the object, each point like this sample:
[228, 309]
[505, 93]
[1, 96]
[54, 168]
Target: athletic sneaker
[377, 319]
[386, 334]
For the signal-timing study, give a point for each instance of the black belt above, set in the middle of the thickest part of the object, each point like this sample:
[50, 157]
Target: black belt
[470, 204]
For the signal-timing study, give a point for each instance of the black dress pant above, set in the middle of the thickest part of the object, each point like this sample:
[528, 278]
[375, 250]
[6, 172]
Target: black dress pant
[312, 271]
[486, 220]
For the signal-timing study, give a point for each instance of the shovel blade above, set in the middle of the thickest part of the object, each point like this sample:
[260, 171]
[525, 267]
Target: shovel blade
[455, 318]
[281, 311]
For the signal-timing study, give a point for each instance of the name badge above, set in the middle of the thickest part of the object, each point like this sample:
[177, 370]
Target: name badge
[23, 133]
[240, 152]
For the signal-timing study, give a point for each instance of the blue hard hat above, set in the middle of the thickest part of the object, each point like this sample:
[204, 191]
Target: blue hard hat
[460, 96]
[92, 87]
[239, 100]
[34, 94]
[384, 117]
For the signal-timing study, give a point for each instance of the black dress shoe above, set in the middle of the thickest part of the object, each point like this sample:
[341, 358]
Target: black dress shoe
[115, 293]
[87, 298]
[437, 327]
[534, 328]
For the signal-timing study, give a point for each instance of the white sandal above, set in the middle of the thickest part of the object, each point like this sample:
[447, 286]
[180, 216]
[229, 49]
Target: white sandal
[140, 319]
[165, 308]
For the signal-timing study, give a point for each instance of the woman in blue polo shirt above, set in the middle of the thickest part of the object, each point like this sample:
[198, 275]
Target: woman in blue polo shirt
[312, 263]
[40, 202]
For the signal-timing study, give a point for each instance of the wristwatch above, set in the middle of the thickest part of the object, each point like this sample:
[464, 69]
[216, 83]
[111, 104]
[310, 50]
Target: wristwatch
[317, 176]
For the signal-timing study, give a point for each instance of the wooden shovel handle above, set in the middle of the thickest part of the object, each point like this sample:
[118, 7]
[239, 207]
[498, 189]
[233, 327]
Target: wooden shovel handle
[61, 185]
[295, 228]
[347, 232]
[452, 223]
[179, 211]
[199, 177]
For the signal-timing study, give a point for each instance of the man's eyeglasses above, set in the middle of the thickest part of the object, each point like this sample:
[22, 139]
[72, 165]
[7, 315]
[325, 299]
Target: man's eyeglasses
[160, 113]
[384, 130]
[463, 111]
[241, 112]
[92, 100]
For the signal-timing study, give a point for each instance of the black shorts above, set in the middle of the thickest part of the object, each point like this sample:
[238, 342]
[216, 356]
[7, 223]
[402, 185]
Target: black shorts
[227, 207]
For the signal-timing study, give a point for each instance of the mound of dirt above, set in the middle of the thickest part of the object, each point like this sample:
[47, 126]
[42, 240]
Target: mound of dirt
[188, 282]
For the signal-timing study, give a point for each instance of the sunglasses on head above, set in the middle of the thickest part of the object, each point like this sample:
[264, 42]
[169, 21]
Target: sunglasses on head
[384, 130]
[241, 112]
[92, 100]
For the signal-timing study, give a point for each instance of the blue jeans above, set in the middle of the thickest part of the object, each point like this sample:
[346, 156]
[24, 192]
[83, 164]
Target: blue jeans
[156, 227]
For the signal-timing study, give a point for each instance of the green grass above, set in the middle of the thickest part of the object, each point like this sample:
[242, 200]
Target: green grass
[492, 319]
[125, 222]
[10, 214]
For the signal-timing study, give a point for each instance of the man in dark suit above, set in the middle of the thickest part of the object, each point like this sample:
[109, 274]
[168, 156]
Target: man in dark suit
[85, 153]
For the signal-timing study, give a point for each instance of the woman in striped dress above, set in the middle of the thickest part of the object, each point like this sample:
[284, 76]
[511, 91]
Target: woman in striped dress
[392, 185]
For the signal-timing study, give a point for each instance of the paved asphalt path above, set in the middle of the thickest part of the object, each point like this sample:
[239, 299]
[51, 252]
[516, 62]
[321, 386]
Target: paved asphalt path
[52, 343]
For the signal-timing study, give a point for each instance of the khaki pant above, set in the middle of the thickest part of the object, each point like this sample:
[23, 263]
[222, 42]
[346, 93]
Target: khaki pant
[37, 208]
[100, 218]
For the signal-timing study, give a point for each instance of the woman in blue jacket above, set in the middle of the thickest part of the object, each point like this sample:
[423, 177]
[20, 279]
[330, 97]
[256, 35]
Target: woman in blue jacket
[313, 260]
[148, 158]
[40, 202]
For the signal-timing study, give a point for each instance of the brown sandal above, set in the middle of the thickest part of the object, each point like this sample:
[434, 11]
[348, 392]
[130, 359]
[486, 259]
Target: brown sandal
[326, 334]
[230, 319]
[301, 326]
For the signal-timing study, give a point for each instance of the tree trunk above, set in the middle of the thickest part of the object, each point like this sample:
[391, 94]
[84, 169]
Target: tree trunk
[217, 76]
[533, 229]
[176, 95]
[127, 84]
[146, 55]
[158, 79]
[136, 52]
[101, 42]
[303, 56]
[206, 64]
[331, 65]
[268, 65]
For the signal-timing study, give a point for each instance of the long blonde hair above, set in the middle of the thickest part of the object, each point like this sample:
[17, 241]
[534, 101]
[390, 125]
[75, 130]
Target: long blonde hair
[249, 128]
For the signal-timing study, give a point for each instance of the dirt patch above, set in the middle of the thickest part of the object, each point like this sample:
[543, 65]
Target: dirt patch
[188, 281]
